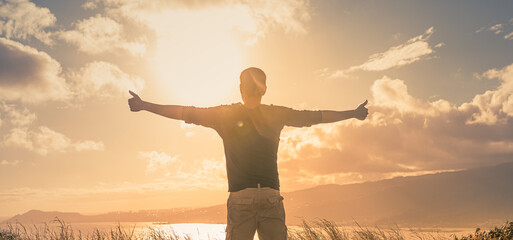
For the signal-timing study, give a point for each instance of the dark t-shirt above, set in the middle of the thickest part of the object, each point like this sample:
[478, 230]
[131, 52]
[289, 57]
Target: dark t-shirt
[250, 138]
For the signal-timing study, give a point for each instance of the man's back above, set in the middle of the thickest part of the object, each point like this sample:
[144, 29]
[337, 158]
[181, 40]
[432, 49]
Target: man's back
[251, 137]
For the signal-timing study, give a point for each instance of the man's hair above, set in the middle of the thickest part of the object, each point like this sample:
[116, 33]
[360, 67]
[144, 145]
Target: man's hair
[252, 81]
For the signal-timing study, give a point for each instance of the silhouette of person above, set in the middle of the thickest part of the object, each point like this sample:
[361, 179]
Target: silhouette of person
[251, 133]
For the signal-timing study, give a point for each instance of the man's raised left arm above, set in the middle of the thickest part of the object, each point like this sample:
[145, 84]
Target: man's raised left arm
[359, 113]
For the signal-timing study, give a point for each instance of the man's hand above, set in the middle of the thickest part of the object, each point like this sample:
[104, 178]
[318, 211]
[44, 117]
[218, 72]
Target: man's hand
[135, 103]
[361, 111]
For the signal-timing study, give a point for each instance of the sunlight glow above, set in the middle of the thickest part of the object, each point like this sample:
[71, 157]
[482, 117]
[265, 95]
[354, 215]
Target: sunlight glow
[198, 58]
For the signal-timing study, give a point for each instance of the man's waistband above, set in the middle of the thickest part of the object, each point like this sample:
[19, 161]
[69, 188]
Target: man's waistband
[258, 188]
[255, 186]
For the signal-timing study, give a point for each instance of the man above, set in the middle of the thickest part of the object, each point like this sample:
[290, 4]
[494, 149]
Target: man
[251, 133]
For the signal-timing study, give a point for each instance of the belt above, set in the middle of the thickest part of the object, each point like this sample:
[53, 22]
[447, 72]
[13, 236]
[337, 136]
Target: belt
[259, 186]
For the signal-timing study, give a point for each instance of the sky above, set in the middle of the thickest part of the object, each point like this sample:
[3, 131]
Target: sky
[438, 76]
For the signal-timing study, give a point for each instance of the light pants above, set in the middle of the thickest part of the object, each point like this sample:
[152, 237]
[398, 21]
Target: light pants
[256, 209]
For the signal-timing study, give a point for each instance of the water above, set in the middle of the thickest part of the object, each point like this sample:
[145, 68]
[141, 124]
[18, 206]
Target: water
[194, 230]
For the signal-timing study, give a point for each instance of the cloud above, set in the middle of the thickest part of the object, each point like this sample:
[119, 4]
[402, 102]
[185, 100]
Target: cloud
[413, 50]
[403, 136]
[100, 34]
[254, 18]
[28, 75]
[178, 33]
[182, 177]
[90, 5]
[88, 145]
[500, 29]
[179, 30]
[12, 163]
[44, 141]
[509, 36]
[17, 116]
[291, 15]
[156, 160]
[21, 19]
[206, 174]
[494, 106]
[102, 79]
[497, 28]
[394, 94]
[201, 174]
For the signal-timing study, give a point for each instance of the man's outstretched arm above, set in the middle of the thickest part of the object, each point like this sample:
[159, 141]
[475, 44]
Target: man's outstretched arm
[334, 116]
[306, 118]
[171, 111]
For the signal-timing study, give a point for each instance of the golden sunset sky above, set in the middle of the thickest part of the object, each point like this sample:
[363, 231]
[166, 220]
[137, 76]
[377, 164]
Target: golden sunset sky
[438, 76]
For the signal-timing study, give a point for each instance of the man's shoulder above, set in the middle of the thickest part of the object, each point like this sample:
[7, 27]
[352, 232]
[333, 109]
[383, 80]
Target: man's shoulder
[222, 106]
[230, 106]
[262, 107]
[273, 107]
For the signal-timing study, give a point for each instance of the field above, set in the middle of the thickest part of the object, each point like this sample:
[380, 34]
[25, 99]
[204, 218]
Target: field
[319, 230]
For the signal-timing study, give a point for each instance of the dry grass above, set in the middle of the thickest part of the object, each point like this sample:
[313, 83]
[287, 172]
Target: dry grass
[64, 231]
[327, 230]
[318, 230]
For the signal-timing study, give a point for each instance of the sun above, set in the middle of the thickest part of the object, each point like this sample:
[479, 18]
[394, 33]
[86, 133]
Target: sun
[198, 59]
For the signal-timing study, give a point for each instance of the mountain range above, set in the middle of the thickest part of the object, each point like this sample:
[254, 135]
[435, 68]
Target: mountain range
[469, 198]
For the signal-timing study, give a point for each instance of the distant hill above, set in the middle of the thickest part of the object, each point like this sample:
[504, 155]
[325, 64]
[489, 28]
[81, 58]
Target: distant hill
[476, 197]
[37, 216]
[157, 215]
[470, 198]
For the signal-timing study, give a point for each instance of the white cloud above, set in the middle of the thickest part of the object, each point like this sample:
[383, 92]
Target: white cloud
[156, 161]
[290, 15]
[100, 34]
[254, 18]
[12, 163]
[403, 136]
[178, 31]
[90, 5]
[28, 75]
[497, 28]
[500, 29]
[18, 137]
[413, 50]
[21, 18]
[494, 106]
[102, 79]
[394, 94]
[17, 116]
[206, 174]
[45, 140]
[210, 174]
[509, 36]
[88, 145]
[409, 52]
[171, 170]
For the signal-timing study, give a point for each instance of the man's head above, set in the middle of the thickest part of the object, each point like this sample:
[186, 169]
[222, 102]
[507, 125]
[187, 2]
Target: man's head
[252, 83]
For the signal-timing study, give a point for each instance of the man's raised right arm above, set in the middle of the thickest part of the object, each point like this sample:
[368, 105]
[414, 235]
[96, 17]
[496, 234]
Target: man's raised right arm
[170, 111]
